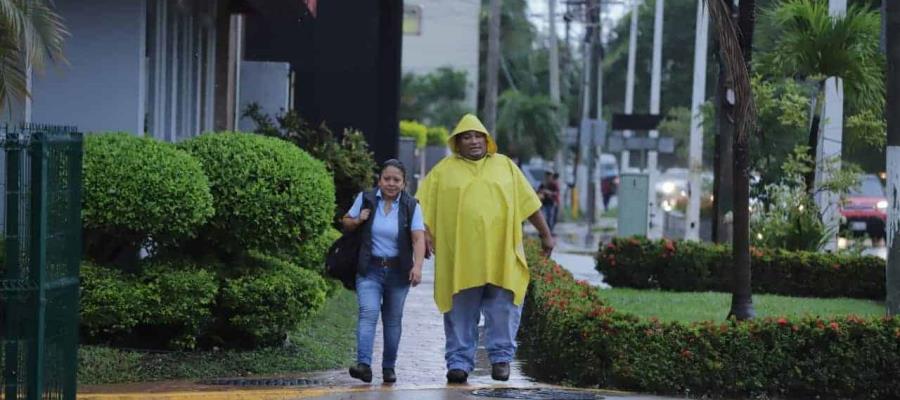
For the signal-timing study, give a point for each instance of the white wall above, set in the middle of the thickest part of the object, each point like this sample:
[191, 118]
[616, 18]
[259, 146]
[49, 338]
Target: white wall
[102, 86]
[449, 37]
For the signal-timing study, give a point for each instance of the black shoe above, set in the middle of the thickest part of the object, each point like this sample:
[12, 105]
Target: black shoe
[388, 375]
[500, 371]
[362, 372]
[457, 376]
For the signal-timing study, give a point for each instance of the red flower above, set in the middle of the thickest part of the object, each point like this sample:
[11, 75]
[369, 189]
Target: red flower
[611, 246]
[834, 326]
[782, 321]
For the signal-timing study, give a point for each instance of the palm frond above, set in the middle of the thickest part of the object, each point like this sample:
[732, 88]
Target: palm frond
[32, 32]
[736, 66]
[13, 81]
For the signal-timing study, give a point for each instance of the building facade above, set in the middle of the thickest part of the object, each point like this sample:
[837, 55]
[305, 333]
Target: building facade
[442, 33]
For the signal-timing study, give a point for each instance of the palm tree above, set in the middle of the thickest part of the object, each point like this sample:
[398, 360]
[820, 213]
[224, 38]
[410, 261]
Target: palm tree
[808, 43]
[528, 125]
[735, 51]
[31, 33]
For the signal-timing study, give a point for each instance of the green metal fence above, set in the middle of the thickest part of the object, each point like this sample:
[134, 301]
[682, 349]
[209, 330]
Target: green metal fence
[42, 253]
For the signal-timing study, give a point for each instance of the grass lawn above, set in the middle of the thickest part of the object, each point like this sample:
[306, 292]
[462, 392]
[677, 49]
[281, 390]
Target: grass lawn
[610, 213]
[326, 341]
[705, 306]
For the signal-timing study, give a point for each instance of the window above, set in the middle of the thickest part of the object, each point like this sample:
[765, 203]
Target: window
[412, 20]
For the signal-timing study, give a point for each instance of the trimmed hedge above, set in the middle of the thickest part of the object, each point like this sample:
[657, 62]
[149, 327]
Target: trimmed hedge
[180, 306]
[568, 334]
[170, 304]
[266, 305]
[139, 191]
[691, 266]
[268, 193]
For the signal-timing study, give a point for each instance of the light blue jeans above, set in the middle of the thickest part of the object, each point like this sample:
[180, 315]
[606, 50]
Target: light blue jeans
[381, 290]
[501, 322]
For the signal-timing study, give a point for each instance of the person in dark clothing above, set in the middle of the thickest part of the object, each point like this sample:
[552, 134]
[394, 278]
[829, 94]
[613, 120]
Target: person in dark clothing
[548, 192]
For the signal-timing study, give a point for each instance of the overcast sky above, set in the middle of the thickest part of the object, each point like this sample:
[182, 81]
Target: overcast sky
[537, 11]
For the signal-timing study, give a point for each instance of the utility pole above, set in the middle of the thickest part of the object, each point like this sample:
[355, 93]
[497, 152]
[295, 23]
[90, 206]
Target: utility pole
[493, 66]
[695, 150]
[595, 41]
[629, 77]
[655, 217]
[892, 47]
[585, 113]
[828, 149]
[554, 87]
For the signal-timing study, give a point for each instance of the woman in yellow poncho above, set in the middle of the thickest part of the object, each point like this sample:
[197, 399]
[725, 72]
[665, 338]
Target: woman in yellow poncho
[475, 201]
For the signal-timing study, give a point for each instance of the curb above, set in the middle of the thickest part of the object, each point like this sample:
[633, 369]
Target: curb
[303, 393]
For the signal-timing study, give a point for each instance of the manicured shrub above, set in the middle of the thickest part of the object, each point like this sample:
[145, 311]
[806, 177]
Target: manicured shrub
[687, 266]
[264, 306]
[415, 130]
[179, 306]
[437, 136]
[347, 156]
[165, 305]
[569, 335]
[137, 192]
[268, 194]
[111, 304]
[311, 253]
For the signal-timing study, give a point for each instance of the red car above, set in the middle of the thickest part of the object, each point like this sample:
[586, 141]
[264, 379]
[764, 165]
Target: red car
[866, 208]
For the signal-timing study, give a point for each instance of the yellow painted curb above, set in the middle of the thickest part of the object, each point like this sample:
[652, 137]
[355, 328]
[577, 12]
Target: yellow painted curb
[260, 394]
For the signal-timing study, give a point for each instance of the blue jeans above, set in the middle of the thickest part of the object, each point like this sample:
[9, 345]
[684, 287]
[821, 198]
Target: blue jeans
[501, 322]
[549, 211]
[381, 290]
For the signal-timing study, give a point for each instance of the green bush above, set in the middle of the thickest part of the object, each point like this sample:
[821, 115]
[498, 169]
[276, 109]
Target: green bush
[569, 335]
[180, 303]
[139, 191]
[265, 306]
[686, 266]
[111, 303]
[311, 253]
[348, 158]
[168, 305]
[415, 130]
[268, 194]
[437, 136]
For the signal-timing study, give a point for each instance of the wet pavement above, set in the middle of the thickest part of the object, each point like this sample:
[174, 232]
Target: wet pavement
[474, 394]
[420, 361]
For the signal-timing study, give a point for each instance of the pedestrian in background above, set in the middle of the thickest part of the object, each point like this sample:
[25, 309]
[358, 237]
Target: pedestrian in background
[548, 192]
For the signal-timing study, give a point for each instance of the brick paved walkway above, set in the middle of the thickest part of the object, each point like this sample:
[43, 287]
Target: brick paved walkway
[420, 362]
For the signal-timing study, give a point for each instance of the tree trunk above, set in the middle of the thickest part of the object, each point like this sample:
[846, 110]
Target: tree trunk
[493, 67]
[892, 35]
[723, 178]
[742, 298]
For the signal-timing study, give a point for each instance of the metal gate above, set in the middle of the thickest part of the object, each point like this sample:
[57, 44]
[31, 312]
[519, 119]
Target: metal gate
[42, 252]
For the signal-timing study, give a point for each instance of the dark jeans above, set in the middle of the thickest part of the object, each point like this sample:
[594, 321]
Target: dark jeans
[549, 211]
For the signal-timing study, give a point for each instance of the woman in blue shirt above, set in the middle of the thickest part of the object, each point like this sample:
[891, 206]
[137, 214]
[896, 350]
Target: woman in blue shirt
[391, 254]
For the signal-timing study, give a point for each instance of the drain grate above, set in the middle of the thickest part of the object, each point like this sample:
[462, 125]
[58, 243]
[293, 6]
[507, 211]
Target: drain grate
[536, 394]
[262, 382]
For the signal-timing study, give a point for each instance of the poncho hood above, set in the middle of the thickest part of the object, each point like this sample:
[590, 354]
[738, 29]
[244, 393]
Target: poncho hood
[468, 123]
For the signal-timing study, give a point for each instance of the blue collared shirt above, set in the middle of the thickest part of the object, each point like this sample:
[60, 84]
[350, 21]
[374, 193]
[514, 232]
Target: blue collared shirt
[385, 226]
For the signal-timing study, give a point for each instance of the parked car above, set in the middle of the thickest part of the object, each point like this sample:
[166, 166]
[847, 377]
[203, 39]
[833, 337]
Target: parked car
[865, 208]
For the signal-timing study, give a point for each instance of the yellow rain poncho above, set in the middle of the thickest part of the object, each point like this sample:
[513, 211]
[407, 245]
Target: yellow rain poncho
[475, 210]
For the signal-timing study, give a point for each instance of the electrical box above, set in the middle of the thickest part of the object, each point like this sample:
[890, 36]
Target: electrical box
[633, 206]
